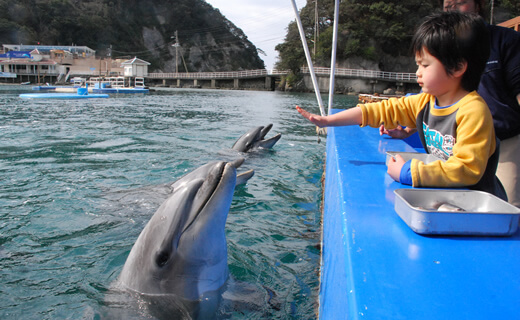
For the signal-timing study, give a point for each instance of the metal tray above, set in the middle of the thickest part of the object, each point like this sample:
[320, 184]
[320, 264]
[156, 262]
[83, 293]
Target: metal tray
[424, 157]
[483, 214]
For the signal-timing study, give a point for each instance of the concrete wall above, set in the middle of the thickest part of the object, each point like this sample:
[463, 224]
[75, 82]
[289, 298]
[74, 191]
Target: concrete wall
[261, 84]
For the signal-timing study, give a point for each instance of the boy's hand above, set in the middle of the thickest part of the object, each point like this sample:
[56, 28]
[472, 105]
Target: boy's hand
[394, 167]
[314, 118]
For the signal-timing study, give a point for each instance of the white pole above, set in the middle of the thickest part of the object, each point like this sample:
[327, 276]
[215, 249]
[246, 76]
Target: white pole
[333, 57]
[308, 56]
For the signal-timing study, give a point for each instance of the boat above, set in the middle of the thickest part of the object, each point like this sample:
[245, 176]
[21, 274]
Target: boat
[375, 266]
[44, 88]
[120, 90]
[117, 85]
[114, 85]
[61, 95]
[375, 263]
[81, 93]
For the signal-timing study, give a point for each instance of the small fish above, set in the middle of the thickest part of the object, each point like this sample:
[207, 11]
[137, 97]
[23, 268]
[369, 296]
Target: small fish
[448, 207]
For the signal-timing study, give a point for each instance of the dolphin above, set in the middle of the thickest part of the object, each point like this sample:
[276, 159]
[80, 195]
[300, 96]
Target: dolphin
[254, 138]
[180, 257]
[201, 171]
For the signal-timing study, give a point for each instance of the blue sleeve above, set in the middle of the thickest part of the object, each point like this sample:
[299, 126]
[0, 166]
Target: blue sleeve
[405, 177]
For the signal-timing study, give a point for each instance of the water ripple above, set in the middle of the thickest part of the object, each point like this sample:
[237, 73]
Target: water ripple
[80, 179]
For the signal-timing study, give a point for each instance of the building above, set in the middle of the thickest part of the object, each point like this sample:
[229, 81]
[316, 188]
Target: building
[59, 64]
[513, 24]
[135, 68]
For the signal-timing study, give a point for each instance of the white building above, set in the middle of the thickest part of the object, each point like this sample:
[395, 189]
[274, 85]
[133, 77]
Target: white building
[135, 68]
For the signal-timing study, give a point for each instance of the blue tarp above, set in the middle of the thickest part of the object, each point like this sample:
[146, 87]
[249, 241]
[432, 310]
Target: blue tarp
[16, 54]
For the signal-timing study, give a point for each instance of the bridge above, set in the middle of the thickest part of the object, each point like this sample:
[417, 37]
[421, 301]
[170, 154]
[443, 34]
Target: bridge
[365, 74]
[262, 79]
[247, 79]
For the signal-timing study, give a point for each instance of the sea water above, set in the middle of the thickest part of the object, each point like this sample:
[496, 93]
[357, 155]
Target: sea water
[80, 179]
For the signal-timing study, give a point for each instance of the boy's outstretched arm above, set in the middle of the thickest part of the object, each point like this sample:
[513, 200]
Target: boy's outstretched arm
[348, 117]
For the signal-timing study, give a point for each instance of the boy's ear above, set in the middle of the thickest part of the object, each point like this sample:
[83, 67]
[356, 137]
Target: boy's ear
[459, 72]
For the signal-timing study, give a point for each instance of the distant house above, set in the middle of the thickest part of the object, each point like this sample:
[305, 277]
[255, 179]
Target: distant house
[40, 63]
[513, 24]
[135, 68]
[19, 60]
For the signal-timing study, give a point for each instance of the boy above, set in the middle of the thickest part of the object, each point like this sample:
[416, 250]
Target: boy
[451, 50]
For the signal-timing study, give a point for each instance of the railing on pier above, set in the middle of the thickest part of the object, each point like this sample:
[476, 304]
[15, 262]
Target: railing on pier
[371, 74]
[340, 72]
[210, 75]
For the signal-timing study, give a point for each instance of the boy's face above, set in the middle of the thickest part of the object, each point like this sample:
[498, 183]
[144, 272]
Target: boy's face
[431, 75]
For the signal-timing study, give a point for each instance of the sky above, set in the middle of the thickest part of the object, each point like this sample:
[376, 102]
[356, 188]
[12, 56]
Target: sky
[263, 21]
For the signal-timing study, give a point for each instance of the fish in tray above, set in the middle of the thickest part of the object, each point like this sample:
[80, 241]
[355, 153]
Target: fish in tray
[447, 207]
[456, 212]
[444, 207]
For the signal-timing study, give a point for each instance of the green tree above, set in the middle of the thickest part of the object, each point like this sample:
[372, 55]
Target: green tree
[366, 28]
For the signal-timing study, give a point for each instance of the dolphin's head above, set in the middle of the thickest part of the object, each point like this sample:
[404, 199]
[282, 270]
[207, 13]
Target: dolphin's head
[255, 138]
[182, 250]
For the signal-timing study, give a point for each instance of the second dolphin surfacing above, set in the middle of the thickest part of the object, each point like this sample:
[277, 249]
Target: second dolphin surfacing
[255, 138]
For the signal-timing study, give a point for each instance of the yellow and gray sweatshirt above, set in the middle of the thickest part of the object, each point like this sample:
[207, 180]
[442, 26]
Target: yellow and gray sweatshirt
[462, 134]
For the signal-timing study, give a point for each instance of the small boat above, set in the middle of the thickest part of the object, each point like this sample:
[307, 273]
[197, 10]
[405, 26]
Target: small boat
[82, 93]
[117, 85]
[120, 90]
[25, 83]
[44, 88]
[59, 95]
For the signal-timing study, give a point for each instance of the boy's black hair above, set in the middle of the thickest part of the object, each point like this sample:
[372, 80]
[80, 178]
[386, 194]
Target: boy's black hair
[454, 38]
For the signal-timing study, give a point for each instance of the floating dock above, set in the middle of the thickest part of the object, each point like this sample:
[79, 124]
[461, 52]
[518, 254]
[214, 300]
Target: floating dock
[375, 267]
[120, 90]
[98, 85]
[54, 95]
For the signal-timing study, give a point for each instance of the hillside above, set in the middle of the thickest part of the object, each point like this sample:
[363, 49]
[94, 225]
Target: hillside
[372, 34]
[142, 28]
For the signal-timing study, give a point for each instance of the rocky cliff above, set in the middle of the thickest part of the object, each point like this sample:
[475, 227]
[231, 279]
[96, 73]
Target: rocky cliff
[183, 35]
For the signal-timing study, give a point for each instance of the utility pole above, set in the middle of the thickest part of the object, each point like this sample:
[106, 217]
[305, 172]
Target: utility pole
[492, 9]
[315, 27]
[176, 45]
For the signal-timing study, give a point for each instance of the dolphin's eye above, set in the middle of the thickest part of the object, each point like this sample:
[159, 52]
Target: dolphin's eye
[162, 258]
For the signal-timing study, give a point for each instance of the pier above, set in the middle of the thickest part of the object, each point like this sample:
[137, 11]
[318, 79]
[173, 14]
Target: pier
[247, 79]
[347, 80]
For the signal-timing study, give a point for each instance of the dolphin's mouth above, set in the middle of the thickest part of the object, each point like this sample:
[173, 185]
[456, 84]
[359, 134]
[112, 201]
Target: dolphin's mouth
[199, 192]
[209, 187]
